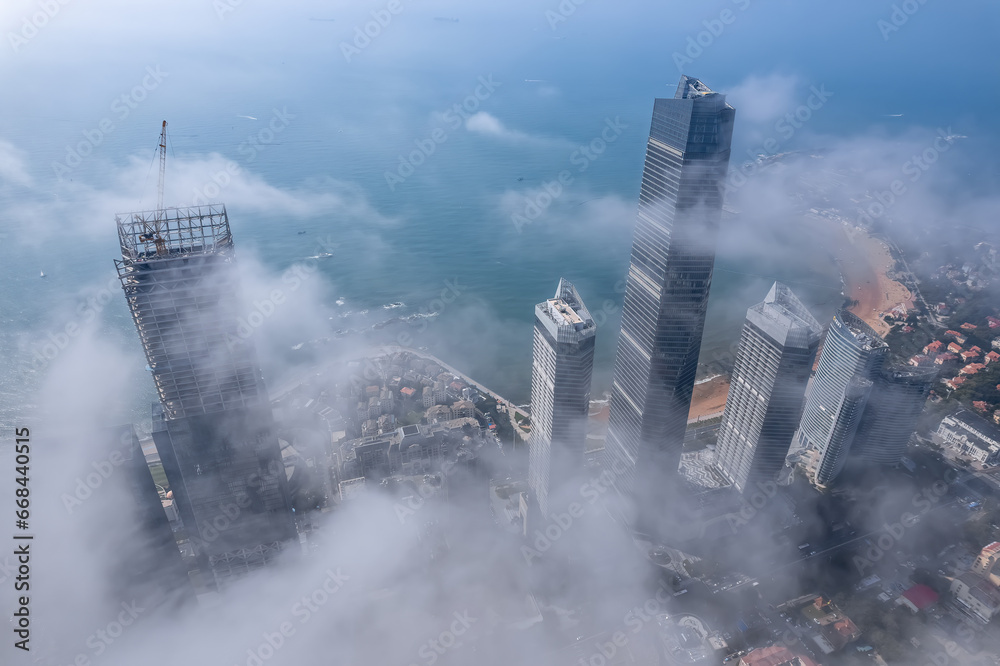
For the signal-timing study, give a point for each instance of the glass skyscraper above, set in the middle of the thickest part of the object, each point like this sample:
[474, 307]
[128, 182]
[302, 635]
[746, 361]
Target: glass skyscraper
[777, 349]
[563, 362]
[852, 357]
[213, 427]
[673, 254]
[897, 399]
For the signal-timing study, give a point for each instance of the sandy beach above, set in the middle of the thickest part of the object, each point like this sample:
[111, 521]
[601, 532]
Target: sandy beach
[864, 262]
[709, 398]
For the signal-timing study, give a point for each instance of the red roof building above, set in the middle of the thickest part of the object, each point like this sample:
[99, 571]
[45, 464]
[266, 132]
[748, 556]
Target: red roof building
[407, 391]
[955, 348]
[993, 322]
[933, 347]
[955, 382]
[919, 597]
[775, 655]
[980, 405]
[971, 369]
[992, 356]
[968, 327]
[944, 358]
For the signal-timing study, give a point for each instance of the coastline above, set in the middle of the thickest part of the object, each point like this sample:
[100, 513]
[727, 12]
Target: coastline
[864, 262]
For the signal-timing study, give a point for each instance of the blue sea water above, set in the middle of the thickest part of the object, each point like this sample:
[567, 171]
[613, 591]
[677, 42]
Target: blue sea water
[553, 86]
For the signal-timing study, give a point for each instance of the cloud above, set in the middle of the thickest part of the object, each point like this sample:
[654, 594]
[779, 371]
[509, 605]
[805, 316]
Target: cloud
[77, 206]
[489, 125]
[12, 165]
[761, 99]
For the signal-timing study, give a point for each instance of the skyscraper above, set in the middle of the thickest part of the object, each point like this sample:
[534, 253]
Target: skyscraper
[666, 296]
[213, 427]
[148, 567]
[898, 396]
[563, 361]
[776, 353]
[852, 357]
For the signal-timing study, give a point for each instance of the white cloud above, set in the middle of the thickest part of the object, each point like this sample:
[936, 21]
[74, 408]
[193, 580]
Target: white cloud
[12, 165]
[489, 125]
[76, 206]
[761, 99]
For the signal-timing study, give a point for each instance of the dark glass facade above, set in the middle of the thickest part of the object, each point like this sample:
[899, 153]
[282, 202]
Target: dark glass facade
[673, 254]
[852, 357]
[897, 399]
[213, 427]
[777, 349]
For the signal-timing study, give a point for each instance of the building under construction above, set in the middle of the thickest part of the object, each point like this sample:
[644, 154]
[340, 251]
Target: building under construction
[213, 427]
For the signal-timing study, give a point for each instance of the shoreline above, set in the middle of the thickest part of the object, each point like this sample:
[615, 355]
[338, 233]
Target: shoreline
[864, 263]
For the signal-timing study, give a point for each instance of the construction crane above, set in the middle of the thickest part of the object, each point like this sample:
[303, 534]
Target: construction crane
[163, 166]
[154, 233]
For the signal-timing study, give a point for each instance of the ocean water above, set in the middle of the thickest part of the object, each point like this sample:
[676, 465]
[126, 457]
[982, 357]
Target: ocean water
[549, 91]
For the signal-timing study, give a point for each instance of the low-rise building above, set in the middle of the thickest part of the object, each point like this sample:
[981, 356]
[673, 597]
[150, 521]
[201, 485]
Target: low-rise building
[945, 358]
[971, 369]
[954, 382]
[438, 413]
[987, 563]
[977, 594]
[917, 598]
[954, 348]
[463, 409]
[970, 435]
[933, 347]
[775, 655]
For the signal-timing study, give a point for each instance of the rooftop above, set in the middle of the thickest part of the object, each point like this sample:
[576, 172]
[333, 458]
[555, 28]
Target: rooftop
[171, 231]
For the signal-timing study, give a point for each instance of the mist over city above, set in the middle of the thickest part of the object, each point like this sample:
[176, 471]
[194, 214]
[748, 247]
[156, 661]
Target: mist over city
[385, 332]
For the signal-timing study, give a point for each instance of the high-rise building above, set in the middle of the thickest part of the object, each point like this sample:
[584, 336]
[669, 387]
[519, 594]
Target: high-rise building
[897, 399]
[563, 361]
[213, 427]
[148, 566]
[777, 349]
[852, 357]
[666, 295]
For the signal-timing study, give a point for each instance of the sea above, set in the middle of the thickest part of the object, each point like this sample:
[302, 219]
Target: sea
[452, 166]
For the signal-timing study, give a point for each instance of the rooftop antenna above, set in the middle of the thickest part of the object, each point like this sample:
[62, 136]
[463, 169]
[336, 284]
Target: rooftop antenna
[163, 166]
[158, 216]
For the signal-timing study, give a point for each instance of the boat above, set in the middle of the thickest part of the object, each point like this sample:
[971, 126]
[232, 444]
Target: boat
[42, 274]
